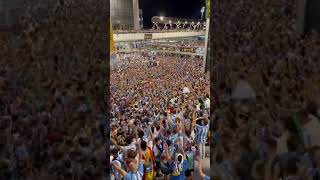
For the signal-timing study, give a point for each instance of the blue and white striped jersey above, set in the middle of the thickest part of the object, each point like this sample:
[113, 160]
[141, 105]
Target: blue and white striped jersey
[202, 133]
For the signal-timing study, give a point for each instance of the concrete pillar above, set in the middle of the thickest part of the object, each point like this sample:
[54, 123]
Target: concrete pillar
[136, 25]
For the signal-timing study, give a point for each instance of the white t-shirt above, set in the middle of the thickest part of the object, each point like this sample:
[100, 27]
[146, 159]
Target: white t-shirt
[130, 146]
[186, 90]
[198, 107]
[207, 103]
[155, 133]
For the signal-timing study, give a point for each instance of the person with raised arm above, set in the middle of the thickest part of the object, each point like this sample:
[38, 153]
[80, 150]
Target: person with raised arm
[135, 169]
[202, 127]
[180, 165]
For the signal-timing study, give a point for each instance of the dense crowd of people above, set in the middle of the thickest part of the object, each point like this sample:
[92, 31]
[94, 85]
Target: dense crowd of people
[273, 133]
[159, 117]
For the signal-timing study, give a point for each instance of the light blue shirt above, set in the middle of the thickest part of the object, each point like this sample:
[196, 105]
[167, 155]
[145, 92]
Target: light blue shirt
[135, 176]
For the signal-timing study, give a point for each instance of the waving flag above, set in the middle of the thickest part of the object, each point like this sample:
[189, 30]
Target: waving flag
[112, 48]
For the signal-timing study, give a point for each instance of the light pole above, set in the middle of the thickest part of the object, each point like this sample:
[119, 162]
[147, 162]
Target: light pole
[202, 11]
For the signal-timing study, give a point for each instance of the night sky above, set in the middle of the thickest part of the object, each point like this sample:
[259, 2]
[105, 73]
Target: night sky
[171, 8]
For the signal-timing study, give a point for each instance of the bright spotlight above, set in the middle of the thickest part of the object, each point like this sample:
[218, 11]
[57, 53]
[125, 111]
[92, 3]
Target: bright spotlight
[161, 18]
[170, 21]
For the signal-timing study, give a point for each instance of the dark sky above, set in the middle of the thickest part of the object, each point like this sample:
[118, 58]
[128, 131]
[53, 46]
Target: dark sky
[171, 8]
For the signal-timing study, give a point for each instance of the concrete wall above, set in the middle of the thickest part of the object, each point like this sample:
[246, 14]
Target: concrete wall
[140, 36]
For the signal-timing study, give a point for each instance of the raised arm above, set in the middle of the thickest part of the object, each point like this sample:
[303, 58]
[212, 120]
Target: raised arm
[114, 142]
[166, 151]
[182, 152]
[193, 120]
[119, 169]
[150, 133]
[140, 160]
[161, 124]
[182, 128]
[168, 119]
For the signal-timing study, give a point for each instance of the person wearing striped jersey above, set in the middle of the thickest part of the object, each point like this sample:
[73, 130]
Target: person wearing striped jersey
[135, 169]
[116, 157]
[188, 134]
[202, 127]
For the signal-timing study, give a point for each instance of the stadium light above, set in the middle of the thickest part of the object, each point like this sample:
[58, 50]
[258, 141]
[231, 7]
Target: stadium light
[161, 18]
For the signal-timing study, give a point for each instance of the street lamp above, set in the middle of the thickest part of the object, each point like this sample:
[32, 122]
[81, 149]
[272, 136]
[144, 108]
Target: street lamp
[202, 11]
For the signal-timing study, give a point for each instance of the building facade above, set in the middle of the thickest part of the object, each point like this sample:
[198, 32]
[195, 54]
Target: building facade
[140, 18]
[124, 14]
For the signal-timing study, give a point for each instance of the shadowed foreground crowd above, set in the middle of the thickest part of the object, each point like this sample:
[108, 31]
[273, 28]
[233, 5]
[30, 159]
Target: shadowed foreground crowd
[51, 83]
[273, 131]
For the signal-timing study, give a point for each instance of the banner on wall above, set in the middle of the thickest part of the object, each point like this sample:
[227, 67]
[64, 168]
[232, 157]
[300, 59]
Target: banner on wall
[148, 36]
[178, 49]
[187, 49]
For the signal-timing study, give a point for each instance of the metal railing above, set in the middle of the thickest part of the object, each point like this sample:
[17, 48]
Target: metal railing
[156, 31]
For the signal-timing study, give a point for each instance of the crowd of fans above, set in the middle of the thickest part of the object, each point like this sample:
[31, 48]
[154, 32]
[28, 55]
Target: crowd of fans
[51, 84]
[274, 133]
[159, 117]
